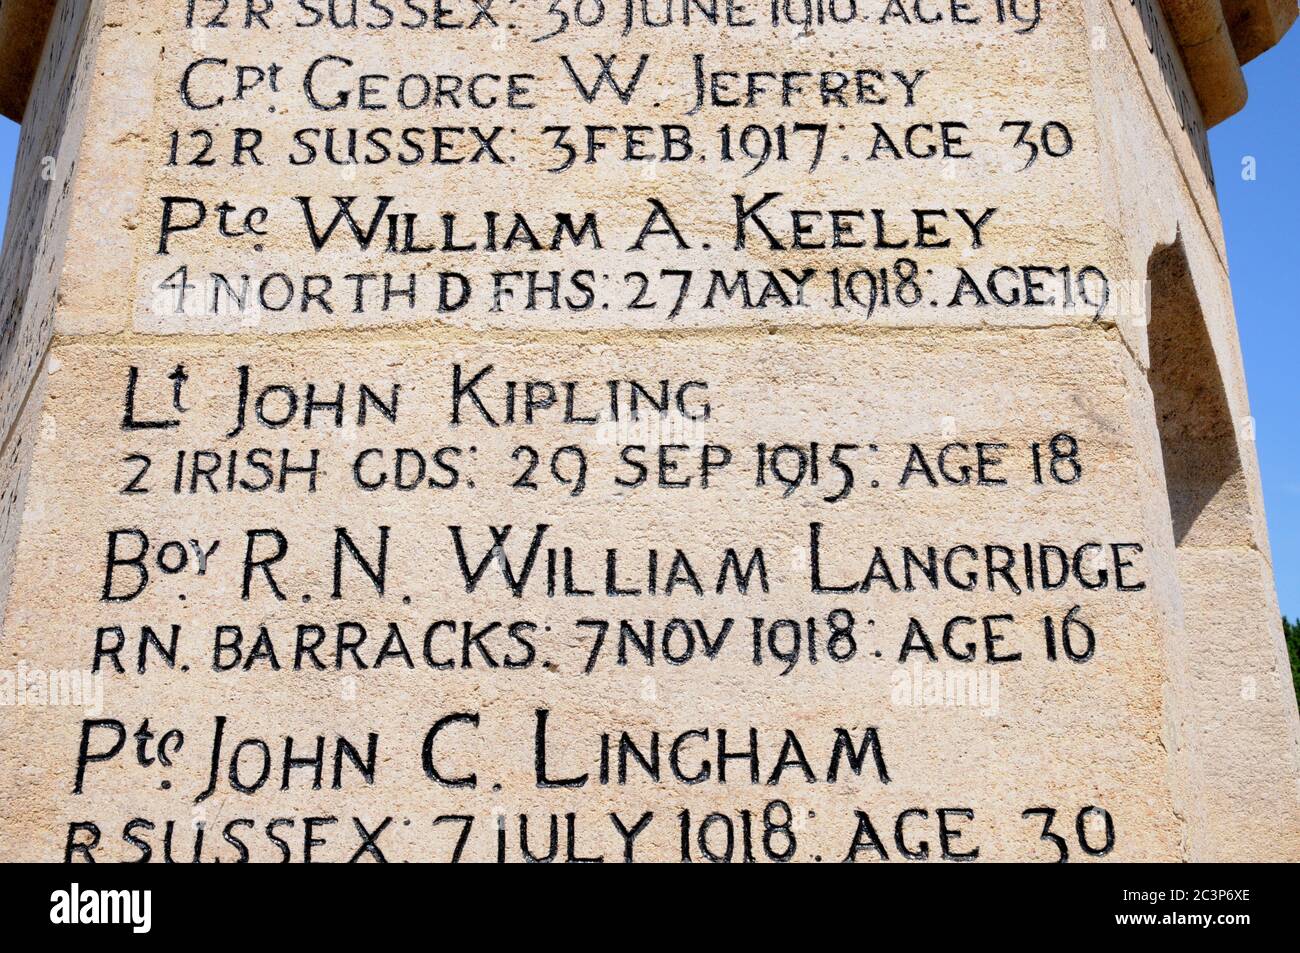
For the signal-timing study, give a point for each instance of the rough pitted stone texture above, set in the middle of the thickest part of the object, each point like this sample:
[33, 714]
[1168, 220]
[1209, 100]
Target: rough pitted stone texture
[864, 470]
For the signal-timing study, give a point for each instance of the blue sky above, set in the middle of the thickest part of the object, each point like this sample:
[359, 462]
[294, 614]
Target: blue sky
[1260, 216]
[8, 149]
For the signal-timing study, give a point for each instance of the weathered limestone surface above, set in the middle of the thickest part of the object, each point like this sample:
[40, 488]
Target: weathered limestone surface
[950, 531]
[36, 236]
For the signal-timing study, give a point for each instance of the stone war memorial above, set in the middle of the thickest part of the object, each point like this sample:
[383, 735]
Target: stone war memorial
[654, 430]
